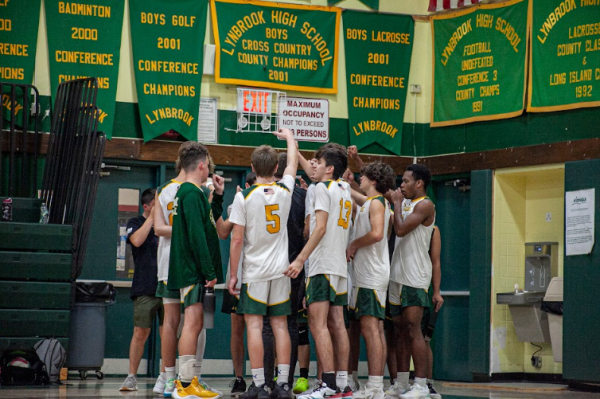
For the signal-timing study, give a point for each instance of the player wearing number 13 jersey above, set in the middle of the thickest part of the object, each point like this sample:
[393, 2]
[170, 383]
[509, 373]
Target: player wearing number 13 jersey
[326, 286]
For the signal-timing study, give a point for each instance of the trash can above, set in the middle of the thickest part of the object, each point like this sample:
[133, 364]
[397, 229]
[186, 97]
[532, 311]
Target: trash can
[553, 305]
[87, 326]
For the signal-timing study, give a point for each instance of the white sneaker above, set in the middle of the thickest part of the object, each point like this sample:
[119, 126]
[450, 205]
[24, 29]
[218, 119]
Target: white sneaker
[169, 388]
[322, 392]
[354, 385]
[205, 386]
[369, 392]
[159, 385]
[315, 385]
[130, 384]
[416, 392]
[395, 391]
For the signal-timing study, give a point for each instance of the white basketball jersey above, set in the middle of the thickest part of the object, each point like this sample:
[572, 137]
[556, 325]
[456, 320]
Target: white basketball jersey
[329, 257]
[411, 264]
[166, 195]
[264, 210]
[240, 265]
[372, 263]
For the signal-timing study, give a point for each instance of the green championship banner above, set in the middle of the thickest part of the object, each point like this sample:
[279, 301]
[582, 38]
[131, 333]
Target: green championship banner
[374, 4]
[19, 23]
[479, 63]
[378, 52]
[84, 40]
[275, 45]
[168, 51]
[564, 67]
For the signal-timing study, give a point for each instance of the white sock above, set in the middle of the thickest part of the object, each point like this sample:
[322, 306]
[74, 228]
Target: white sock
[422, 382]
[283, 374]
[376, 381]
[341, 379]
[170, 373]
[258, 376]
[132, 375]
[186, 368]
[200, 353]
[402, 379]
[355, 376]
[163, 375]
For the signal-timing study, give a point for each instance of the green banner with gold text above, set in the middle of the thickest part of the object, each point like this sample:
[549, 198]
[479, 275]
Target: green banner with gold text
[84, 40]
[19, 21]
[479, 63]
[168, 52]
[276, 45]
[565, 55]
[378, 52]
[374, 4]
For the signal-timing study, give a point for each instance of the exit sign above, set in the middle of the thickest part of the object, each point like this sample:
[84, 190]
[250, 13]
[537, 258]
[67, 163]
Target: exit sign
[253, 101]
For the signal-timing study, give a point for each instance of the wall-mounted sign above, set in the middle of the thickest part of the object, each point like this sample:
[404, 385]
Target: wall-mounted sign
[276, 45]
[479, 63]
[254, 101]
[564, 66]
[84, 40]
[208, 122]
[307, 118]
[580, 210]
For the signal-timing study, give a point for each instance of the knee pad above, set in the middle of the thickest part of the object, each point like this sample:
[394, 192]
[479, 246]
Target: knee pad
[303, 336]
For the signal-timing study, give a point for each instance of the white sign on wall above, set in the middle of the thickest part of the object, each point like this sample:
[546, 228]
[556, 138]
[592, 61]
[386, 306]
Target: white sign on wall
[579, 221]
[307, 118]
[207, 121]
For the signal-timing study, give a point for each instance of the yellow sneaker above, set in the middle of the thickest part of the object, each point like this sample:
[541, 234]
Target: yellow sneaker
[200, 391]
[182, 393]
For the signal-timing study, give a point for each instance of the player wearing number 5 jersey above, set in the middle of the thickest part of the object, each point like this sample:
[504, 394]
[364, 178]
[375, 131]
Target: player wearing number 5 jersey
[259, 216]
[326, 286]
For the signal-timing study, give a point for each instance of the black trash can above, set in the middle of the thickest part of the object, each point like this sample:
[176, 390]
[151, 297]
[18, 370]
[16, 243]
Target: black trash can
[87, 327]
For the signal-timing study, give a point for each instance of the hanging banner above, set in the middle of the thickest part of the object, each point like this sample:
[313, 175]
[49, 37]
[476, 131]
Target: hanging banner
[19, 23]
[378, 52]
[564, 66]
[275, 45]
[374, 4]
[168, 50]
[84, 40]
[479, 63]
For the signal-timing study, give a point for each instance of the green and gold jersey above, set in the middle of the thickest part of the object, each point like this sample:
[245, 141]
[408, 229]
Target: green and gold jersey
[212, 238]
[191, 261]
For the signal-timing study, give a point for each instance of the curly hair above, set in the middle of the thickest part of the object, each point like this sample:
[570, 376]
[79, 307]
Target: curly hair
[382, 174]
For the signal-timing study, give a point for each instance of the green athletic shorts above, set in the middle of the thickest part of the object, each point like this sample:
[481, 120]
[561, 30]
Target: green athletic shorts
[163, 292]
[191, 295]
[367, 302]
[327, 287]
[414, 297]
[145, 309]
[268, 298]
[302, 317]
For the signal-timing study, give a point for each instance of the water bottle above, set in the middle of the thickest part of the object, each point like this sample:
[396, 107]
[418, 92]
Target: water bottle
[209, 308]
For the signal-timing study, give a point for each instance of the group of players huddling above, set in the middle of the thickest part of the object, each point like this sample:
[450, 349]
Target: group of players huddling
[349, 277]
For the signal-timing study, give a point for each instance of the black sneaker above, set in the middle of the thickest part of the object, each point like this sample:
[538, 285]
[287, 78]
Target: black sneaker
[281, 391]
[239, 386]
[255, 392]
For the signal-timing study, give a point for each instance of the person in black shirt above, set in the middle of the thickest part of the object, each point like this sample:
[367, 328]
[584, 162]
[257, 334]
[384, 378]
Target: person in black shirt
[144, 246]
[295, 228]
